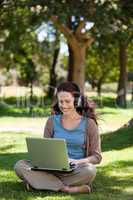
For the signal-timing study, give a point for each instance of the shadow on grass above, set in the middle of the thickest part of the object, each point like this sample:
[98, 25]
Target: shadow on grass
[17, 107]
[104, 186]
[7, 147]
[113, 181]
[7, 160]
[105, 101]
[113, 141]
[114, 185]
[17, 190]
[110, 102]
[13, 111]
[117, 140]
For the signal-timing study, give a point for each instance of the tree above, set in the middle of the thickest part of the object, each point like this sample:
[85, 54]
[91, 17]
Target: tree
[116, 20]
[77, 37]
[107, 16]
[78, 43]
[14, 31]
[18, 37]
[124, 34]
[28, 73]
[52, 79]
[101, 65]
[130, 68]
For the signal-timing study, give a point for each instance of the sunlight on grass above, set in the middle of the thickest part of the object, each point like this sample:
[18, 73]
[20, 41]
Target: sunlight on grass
[17, 118]
[114, 176]
[35, 125]
[110, 119]
[111, 156]
[114, 180]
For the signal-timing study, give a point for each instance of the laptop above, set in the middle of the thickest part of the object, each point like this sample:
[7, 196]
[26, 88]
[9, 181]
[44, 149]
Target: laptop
[48, 154]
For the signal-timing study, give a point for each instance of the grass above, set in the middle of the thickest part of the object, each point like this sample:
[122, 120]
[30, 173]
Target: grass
[111, 119]
[20, 106]
[114, 177]
[15, 113]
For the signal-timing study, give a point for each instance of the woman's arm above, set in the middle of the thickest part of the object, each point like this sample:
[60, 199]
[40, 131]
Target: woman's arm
[93, 150]
[48, 129]
[93, 143]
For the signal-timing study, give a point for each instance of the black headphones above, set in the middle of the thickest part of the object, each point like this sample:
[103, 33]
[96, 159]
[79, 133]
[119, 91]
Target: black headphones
[77, 96]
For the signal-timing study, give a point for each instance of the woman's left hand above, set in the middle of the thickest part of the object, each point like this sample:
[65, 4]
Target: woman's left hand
[74, 161]
[78, 161]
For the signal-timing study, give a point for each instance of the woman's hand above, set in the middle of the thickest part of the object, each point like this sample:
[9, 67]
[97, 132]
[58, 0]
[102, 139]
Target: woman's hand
[74, 161]
[78, 161]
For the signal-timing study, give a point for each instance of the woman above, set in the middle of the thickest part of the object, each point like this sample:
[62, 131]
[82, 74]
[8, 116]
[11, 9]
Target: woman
[73, 119]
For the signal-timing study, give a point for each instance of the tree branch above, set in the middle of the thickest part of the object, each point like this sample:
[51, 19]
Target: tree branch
[83, 37]
[78, 32]
[89, 42]
[64, 29]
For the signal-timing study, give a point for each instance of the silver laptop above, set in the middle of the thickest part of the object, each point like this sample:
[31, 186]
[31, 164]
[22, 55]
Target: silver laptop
[48, 154]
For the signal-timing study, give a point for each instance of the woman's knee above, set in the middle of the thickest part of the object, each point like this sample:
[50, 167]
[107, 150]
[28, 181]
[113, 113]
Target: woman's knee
[89, 171]
[19, 166]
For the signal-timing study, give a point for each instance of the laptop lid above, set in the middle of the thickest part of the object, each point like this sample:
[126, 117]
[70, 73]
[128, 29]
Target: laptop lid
[48, 154]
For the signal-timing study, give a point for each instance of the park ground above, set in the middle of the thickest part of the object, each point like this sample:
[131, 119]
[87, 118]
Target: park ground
[114, 179]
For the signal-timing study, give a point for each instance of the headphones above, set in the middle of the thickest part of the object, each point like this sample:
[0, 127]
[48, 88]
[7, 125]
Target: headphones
[79, 103]
[78, 97]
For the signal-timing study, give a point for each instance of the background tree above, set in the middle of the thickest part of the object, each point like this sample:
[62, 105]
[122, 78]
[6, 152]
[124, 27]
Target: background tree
[125, 34]
[77, 37]
[115, 19]
[101, 67]
[107, 17]
[53, 76]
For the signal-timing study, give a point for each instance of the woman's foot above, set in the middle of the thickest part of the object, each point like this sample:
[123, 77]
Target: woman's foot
[28, 187]
[76, 189]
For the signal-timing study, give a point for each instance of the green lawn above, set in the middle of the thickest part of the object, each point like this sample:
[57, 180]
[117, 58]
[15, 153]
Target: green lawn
[114, 179]
[13, 115]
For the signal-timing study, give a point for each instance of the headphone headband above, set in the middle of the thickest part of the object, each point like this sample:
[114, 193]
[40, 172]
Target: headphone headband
[76, 86]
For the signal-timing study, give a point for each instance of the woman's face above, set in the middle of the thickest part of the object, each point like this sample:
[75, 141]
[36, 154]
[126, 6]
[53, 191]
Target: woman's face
[65, 102]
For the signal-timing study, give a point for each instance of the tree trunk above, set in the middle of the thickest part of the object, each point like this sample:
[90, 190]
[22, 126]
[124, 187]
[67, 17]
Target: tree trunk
[93, 84]
[79, 42]
[70, 64]
[132, 93]
[78, 75]
[53, 81]
[121, 92]
[31, 98]
[99, 87]
[70, 58]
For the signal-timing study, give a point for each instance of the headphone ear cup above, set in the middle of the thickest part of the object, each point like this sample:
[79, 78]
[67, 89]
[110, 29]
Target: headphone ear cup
[79, 102]
[76, 102]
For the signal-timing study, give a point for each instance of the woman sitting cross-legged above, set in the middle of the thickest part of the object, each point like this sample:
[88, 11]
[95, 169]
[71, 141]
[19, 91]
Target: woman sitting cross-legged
[73, 119]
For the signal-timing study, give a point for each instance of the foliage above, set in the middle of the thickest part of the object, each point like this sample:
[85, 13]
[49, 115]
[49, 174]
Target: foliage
[20, 21]
[129, 57]
[101, 63]
[20, 48]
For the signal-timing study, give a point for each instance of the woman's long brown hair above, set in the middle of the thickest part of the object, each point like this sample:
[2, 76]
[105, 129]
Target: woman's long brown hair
[86, 107]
